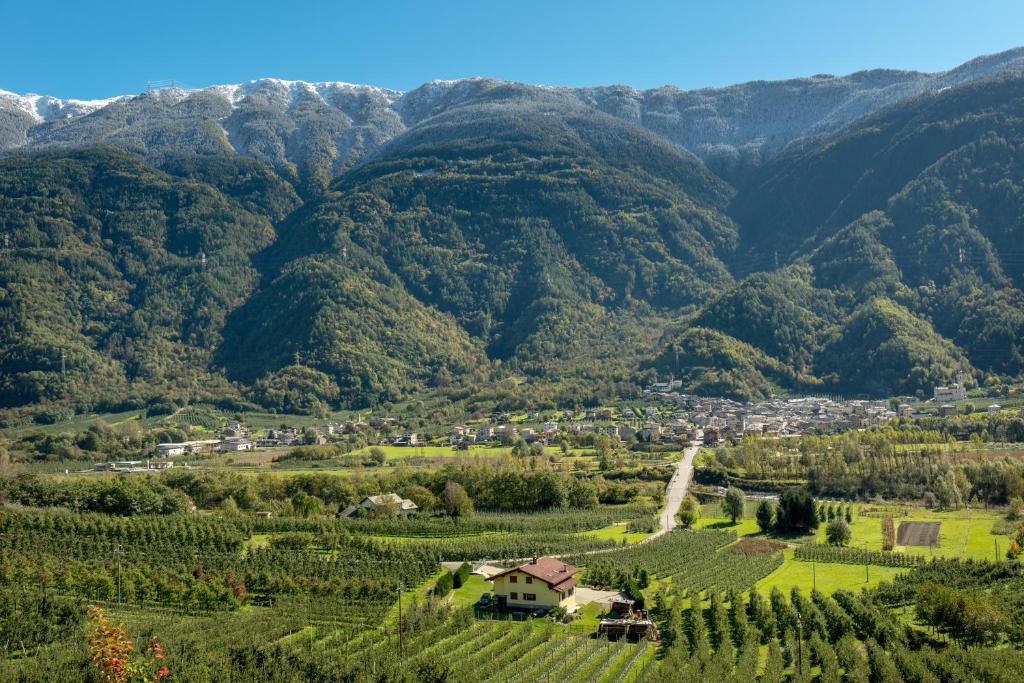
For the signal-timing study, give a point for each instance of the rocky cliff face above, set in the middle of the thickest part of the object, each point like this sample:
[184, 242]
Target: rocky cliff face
[315, 131]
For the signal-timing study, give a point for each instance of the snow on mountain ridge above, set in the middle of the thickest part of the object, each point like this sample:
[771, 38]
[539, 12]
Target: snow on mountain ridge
[45, 108]
[293, 124]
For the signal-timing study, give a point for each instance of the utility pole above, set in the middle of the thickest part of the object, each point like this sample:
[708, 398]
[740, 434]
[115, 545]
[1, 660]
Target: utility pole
[63, 364]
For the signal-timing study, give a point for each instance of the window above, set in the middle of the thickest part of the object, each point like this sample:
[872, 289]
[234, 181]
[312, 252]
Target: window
[513, 596]
[513, 579]
[529, 596]
[529, 579]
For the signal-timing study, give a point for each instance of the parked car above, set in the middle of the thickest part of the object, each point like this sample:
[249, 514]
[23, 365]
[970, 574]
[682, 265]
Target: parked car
[485, 600]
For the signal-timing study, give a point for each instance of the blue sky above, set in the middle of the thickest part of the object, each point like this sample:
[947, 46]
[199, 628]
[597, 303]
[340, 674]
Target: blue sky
[99, 48]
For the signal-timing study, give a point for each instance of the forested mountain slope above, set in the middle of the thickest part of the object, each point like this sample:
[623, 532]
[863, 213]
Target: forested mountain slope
[511, 234]
[541, 233]
[127, 271]
[905, 230]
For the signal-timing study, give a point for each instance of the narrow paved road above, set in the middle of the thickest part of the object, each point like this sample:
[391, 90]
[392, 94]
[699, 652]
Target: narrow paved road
[678, 485]
[677, 488]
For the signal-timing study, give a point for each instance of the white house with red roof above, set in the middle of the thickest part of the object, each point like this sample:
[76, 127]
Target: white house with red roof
[543, 583]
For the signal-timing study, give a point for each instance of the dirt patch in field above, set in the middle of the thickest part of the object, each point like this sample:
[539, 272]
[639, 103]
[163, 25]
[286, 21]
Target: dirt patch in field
[756, 546]
[918, 533]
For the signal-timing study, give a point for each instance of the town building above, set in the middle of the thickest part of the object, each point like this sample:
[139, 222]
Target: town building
[952, 393]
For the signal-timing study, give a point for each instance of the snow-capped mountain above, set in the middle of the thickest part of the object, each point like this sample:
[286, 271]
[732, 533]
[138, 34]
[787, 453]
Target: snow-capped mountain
[320, 129]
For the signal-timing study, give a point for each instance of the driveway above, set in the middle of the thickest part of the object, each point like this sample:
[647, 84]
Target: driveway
[585, 596]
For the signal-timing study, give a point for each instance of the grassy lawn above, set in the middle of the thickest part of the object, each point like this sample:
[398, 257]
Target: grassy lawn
[743, 527]
[587, 619]
[469, 593]
[827, 576]
[617, 533]
[964, 533]
[712, 517]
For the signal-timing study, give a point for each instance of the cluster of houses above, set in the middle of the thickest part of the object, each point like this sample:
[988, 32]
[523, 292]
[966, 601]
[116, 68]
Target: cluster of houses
[234, 439]
[237, 438]
[718, 417]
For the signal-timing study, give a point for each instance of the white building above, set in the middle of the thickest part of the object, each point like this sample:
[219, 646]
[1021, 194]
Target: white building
[952, 393]
[235, 445]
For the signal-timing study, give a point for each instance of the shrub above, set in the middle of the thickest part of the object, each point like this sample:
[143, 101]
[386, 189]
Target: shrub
[444, 585]
[461, 576]
[838, 532]
[689, 512]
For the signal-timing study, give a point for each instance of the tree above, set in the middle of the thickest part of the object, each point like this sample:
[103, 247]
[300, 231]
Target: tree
[457, 502]
[735, 502]
[424, 498]
[838, 531]
[949, 494]
[520, 448]
[378, 456]
[797, 512]
[305, 505]
[968, 618]
[689, 512]
[765, 515]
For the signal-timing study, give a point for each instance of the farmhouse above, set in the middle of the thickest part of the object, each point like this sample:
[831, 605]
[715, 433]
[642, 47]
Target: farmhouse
[543, 582]
[383, 503]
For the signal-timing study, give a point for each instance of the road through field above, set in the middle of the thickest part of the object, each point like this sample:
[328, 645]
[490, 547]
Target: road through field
[677, 488]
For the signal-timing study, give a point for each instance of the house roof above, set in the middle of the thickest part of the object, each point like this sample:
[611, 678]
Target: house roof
[550, 570]
[391, 499]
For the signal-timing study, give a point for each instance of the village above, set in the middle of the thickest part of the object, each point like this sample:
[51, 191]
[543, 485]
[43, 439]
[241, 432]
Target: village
[667, 417]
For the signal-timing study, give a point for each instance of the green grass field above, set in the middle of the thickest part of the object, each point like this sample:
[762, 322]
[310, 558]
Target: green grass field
[964, 534]
[827, 577]
[469, 593]
[617, 533]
